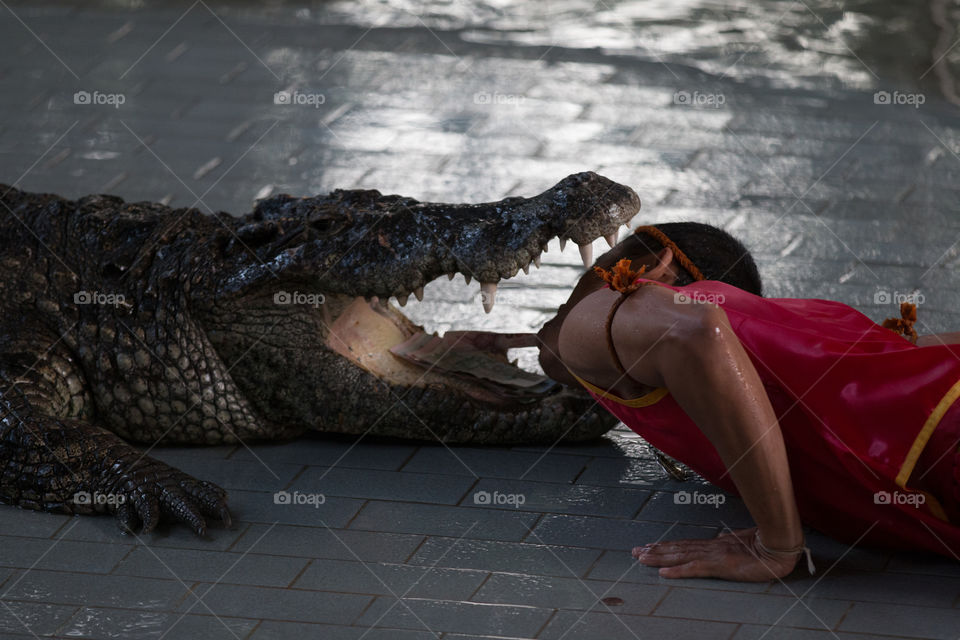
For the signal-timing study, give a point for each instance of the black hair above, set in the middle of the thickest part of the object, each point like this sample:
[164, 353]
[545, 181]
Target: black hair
[717, 254]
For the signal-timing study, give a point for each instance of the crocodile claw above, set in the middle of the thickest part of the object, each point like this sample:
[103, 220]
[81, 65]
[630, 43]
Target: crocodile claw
[152, 491]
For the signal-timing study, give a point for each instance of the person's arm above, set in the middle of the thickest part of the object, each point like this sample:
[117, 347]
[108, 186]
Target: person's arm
[691, 350]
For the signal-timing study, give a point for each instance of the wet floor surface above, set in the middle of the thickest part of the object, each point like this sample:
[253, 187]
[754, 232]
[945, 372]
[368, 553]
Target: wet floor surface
[841, 192]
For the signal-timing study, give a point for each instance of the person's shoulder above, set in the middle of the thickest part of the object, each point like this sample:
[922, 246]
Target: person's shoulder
[660, 302]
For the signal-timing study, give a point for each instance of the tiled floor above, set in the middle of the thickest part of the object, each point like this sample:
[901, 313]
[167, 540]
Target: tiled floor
[838, 197]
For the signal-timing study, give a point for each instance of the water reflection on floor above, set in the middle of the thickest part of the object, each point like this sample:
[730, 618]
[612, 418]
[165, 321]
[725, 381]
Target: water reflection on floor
[809, 43]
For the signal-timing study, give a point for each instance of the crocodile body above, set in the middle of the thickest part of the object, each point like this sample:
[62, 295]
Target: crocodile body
[127, 323]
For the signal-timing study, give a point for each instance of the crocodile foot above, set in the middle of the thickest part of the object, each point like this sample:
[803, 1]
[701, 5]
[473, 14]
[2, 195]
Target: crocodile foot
[148, 491]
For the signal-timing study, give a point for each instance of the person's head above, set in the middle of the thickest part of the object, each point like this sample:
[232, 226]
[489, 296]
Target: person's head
[716, 253]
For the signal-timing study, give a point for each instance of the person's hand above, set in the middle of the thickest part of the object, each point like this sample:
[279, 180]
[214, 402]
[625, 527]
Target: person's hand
[730, 556]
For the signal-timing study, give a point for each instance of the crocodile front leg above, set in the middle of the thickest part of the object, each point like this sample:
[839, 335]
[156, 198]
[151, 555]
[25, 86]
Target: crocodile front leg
[53, 460]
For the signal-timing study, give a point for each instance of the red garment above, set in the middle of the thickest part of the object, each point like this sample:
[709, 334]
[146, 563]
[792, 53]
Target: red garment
[856, 403]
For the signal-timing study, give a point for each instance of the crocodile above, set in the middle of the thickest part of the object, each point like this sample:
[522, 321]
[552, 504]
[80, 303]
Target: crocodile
[134, 322]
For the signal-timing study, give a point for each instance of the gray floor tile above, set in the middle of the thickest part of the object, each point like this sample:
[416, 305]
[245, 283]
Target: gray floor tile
[481, 524]
[121, 623]
[642, 473]
[828, 552]
[212, 566]
[570, 593]
[276, 604]
[81, 589]
[60, 555]
[893, 588]
[927, 564]
[248, 475]
[23, 522]
[273, 630]
[578, 625]
[390, 579]
[337, 544]
[732, 606]
[756, 632]
[530, 559]
[554, 497]
[907, 621]
[488, 463]
[609, 533]
[32, 618]
[224, 451]
[373, 484]
[709, 507]
[444, 615]
[293, 505]
[315, 450]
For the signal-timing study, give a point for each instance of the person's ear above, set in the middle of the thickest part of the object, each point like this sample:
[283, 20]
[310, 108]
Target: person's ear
[662, 266]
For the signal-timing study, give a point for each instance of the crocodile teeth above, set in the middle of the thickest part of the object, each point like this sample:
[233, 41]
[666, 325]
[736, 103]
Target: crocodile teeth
[536, 261]
[611, 239]
[586, 254]
[488, 293]
[526, 269]
[467, 277]
[419, 293]
[450, 275]
[403, 300]
[563, 243]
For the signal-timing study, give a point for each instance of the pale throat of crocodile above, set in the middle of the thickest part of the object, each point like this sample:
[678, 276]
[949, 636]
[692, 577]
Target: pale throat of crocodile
[364, 332]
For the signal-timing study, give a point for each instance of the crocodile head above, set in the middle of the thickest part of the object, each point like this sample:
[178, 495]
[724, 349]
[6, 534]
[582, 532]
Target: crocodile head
[299, 309]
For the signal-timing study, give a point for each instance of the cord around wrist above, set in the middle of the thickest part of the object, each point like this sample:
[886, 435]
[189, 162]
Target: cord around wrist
[780, 553]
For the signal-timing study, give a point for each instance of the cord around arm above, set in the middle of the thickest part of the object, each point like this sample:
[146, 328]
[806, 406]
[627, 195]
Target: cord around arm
[624, 280]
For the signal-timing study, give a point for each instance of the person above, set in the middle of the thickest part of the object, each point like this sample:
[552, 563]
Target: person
[806, 408]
